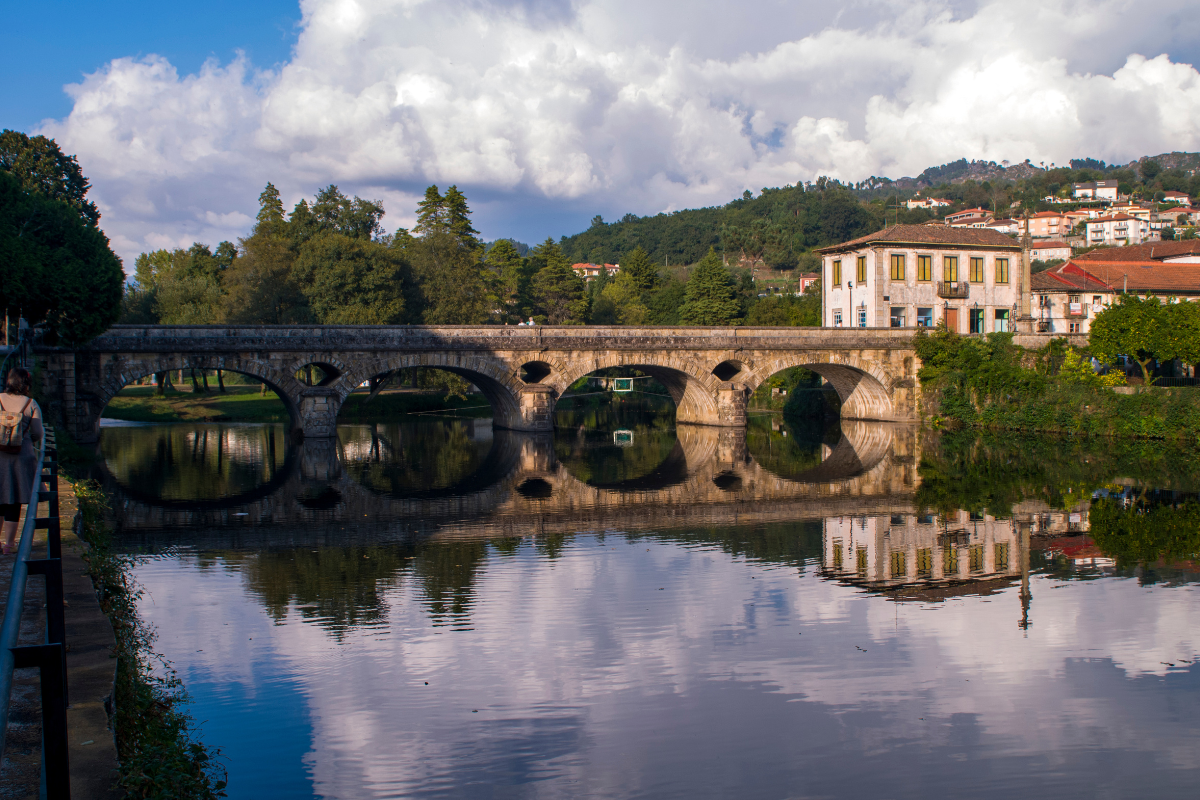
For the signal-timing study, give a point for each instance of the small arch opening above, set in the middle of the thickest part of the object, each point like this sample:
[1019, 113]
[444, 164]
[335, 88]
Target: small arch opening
[317, 373]
[727, 370]
[535, 489]
[535, 371]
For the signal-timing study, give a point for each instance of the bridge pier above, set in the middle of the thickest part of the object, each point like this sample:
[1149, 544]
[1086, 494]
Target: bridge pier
[317, 408]
[533, 411]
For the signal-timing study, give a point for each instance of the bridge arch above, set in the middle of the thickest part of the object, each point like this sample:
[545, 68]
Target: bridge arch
[500, 384]
[120, 374]
[864, 387]
[690, 382]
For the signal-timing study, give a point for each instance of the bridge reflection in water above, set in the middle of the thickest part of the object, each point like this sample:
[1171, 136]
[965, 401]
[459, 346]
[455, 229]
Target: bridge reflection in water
[514, 484]
[379, 484]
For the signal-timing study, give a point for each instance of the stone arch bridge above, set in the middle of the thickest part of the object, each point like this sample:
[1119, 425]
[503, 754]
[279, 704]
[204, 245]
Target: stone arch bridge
[522, 371]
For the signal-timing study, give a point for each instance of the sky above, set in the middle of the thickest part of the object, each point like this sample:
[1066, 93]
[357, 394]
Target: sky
[548, 112]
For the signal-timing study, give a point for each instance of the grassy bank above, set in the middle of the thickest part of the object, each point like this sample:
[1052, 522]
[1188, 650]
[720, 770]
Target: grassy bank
[241, 403]
[991, 384]
[235, 404]
[157, 744]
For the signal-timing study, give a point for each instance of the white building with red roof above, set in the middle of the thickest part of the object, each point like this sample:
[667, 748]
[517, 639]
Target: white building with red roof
[1117, 229]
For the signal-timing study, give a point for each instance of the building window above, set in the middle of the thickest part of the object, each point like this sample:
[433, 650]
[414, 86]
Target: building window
[1075, 327]
[924, 561]
[950, 560]
[898, 567]
[897, 266]
[975, 558]
[860, 561]
[924, 317]
[837, 554]
[897, 519]
[862, 270]
[977, 320]
[837, 318]
[924, 268]
[837, 273]
[862, 317]
[898, 317]
[976, 270]
[950, 269]
[1001, 320]
[1001, 270]
[1002, 557]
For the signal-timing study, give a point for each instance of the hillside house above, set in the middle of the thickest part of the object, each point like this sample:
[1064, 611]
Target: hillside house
[1049, 250]
[589, 272]
[926, 202]
[1009, 227]
[968, 217]
[1048, 225]
[918, 275]
[1117, 229]
[1096, 190]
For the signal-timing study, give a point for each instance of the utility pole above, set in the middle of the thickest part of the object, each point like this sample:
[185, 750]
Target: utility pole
[1025, 315]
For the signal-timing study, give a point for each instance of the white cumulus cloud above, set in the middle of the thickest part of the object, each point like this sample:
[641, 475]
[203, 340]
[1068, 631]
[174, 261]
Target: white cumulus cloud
[547, 111]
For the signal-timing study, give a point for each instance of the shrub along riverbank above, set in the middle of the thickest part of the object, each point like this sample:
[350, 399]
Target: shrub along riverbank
[990, 383]
[158, 747]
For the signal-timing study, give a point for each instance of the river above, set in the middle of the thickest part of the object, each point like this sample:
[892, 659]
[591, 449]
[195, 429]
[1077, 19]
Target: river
[623, 609]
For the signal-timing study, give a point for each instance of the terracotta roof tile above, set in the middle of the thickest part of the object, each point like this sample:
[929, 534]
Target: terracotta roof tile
[931, 235]
[1145, 276]
[1151, 251]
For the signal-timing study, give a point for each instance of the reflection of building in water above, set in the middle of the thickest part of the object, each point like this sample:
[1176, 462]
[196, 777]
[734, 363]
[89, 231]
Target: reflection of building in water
[1046, 521]
[901, 549]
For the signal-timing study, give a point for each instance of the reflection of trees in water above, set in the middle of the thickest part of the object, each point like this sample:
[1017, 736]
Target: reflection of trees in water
[1151, 529]
[997, 471]
[584, 443]
[200, 462]
[787, 446]
[408, 458]
[341, 588]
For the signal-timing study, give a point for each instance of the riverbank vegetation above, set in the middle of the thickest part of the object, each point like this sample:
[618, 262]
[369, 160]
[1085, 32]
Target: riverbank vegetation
[990, 383]
[160, 753]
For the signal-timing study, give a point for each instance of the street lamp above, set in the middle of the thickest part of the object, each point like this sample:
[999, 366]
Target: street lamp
[850, 286]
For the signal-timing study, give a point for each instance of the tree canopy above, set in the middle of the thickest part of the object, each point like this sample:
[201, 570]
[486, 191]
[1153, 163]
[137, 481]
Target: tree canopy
[59, 271]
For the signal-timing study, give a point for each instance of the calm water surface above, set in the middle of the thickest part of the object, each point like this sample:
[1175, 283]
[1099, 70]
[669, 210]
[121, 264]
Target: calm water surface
[623, 609]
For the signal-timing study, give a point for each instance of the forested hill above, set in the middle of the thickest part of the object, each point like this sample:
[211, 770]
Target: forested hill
[781, 226]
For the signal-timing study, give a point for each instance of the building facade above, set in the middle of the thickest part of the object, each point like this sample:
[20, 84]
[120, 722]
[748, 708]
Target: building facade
[1096, 190]
[910, 276]
[1117, 229]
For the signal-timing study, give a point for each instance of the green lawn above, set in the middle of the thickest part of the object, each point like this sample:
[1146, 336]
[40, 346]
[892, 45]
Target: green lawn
[236, 404]
[244, 404]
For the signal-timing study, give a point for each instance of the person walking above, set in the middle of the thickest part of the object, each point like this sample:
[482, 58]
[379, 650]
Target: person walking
[20, 428]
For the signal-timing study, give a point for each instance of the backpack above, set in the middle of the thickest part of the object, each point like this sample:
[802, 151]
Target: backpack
[13, 425]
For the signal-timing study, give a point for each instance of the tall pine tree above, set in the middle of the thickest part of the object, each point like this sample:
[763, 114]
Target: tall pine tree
[711, 294]
[431, 213]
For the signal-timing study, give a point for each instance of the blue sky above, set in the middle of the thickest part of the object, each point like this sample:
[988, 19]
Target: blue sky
[40, 57]
[547, 112]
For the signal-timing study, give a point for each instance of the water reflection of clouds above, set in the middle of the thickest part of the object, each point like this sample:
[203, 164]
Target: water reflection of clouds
[638, 667]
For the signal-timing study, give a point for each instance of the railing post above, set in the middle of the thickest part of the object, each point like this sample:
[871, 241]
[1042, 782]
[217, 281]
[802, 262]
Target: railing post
[49, 659]
[56, 615]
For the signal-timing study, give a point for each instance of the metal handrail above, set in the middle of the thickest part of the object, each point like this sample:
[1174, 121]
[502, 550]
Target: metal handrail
[49, 657]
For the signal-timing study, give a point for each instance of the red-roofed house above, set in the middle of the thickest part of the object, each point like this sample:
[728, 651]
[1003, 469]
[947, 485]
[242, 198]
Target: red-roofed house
[1049, 250]
[589, 272]
[967, 218]
[1048, 225]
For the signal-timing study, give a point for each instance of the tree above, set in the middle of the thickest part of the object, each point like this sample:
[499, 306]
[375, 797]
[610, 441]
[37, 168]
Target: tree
[638, 266]
[458, 219]
[350, 281]
[510, 281]
[451, 278]
[710, 297]
[270, 209]
[40, 167]
[625, 295]
[557, 289]
[259, 286]
[1133, 327]
[431, 213]
[1149, 169]
[58, 268]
